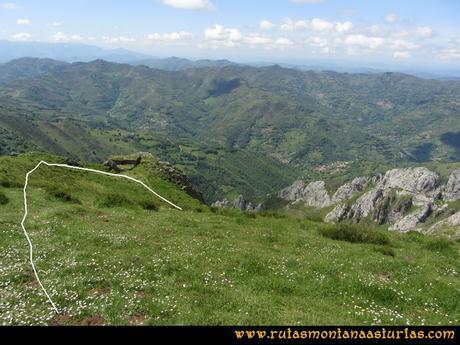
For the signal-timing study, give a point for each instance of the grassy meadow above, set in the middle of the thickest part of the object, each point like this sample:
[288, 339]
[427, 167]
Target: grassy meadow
[109, 252]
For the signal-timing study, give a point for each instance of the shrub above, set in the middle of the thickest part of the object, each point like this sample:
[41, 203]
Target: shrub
[3, 199]
[385, 250]
[354, 234]
[148, 205]
[61, 195]
[114, 200]
[438, 244]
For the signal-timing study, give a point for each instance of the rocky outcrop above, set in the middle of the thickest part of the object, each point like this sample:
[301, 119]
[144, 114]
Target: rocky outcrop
[348, 190]
[411, 221]
[337, 214]
[402, 198]
[452, 190]
[424, 184]
[239, 203]
[452, 221]
[313, 194]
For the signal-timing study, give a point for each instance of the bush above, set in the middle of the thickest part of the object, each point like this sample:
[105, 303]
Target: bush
[114, 200]
[385, 250]
[439, 244]
[3, 199]
[354, 234]
[61, 195]
[148, 205]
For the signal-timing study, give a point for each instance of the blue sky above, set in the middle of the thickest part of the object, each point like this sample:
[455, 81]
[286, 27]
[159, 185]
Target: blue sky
[386, 31]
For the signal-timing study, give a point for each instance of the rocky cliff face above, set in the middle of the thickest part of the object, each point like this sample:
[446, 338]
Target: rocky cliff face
[404, 199]
[239, 203]
[452, 190]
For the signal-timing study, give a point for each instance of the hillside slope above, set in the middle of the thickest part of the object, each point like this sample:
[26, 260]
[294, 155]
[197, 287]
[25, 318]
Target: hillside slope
[303, 120]
[109, 253]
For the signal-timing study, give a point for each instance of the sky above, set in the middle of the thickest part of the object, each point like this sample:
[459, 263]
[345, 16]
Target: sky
[386, 32]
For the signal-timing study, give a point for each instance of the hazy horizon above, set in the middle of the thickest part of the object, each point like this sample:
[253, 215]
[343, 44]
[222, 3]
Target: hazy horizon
[392, 34]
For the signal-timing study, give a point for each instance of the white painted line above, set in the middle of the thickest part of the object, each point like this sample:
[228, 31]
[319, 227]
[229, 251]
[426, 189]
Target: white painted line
[26, 211]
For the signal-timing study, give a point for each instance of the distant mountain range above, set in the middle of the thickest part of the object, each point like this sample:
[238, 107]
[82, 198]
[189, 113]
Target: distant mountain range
[234, 129]
[75, 52]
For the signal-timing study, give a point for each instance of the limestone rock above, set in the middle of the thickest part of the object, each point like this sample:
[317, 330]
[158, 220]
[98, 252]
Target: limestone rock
[337, 214]
[411, 221]
[314, 194]
[348, 190]
[452, 190]
[424, 184]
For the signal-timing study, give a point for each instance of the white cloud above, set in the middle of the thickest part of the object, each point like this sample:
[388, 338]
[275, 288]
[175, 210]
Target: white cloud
[320, 42]
[290, 25]
[56, 24]
[318, 24]
[424, 32]
[256, 39]
[23, 21]
[190, 4]
[118, 39]
[391, 17]
[21, 36]
[283, 41]
[266, 25]
[61, 37]
[450, 54]
[220, 36]
[9, 6]
[401, 55]
[363, 41]
[343, 27]
[170, 36]
[403, 45]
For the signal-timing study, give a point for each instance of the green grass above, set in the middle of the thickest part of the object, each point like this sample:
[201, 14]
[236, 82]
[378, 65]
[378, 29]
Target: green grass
[3, 199]
[127, 265]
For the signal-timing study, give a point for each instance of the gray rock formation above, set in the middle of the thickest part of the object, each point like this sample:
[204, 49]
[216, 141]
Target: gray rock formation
[452, 221]
[424, 184]
[337, 214]
[388, 199]
[411, 221]
[452, 190]
[348, 190]
[239, 203]
[313, 194]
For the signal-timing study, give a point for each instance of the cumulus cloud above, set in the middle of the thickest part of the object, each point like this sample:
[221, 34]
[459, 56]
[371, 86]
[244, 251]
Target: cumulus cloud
[118, 39]
[21, 36]
[363, 41]
[9, 6]
[257, 39]
[61, 37]
[190, 4]
[401, 55]
[283, 41]
[221, 36]
[424, 32]
[403, 45]
[391, 17]
[343, 27]
[266, 25]
[318, 24]
[170, 36]
[23, 21]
